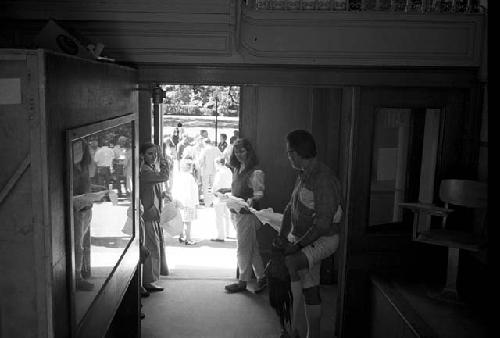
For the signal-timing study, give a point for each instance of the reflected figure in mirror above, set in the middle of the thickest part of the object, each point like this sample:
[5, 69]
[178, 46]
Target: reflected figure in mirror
[104, 160]
[84, 195]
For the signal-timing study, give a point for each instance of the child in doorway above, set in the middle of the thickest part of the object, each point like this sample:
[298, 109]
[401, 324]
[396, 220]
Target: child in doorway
[185, 191]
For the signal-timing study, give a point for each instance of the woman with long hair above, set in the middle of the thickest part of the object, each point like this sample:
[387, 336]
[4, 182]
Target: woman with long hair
[150, 191]
[247, 184]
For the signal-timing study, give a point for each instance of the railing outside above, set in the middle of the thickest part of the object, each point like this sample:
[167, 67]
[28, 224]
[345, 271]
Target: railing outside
[403, 6]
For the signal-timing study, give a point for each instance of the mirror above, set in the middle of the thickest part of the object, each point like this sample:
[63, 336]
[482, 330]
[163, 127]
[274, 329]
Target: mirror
[101, 205]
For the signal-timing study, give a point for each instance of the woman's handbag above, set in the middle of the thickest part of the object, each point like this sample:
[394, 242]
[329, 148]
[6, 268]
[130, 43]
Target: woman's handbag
[171, 220]
[168, 212]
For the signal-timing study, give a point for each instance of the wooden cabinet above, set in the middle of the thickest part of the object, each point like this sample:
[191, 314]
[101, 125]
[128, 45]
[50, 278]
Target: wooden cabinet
[42, 96]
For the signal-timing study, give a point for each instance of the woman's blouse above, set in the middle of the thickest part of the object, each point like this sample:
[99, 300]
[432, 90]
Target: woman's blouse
[248, 183]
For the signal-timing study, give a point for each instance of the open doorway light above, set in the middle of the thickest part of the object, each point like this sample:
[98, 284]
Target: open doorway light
[215, 109]
[203, 112]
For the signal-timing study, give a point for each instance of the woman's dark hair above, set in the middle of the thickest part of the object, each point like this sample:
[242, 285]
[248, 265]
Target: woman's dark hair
[251, 156]
[145, 146]
[81, 178]
[179, 124]
[302, 142]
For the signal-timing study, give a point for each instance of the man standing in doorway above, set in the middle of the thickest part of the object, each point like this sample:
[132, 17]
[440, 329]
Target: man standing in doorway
[311, 221]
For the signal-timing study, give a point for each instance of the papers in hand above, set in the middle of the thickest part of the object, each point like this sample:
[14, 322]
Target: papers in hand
[234, 203]
[268, 216]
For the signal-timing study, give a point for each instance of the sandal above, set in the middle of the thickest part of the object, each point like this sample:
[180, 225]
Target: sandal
[190, 243]
[236, 287]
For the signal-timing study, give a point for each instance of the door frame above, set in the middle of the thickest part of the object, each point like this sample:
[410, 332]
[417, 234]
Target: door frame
[363, 252]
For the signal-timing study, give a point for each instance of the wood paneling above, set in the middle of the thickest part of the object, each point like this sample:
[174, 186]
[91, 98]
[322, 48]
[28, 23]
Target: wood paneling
[278, 75]
[276, 111]
[218, 31]
[21, 267]
[364, 39]
[367, 251]
[392, 316]
[58, 92]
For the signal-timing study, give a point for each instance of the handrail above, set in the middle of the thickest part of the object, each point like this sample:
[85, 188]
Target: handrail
[13, 180]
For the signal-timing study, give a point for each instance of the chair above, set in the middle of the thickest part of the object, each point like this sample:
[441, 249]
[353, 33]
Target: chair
[470, 237]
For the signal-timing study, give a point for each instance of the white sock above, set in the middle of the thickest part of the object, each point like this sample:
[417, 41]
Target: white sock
[313, 315]
[296, 287]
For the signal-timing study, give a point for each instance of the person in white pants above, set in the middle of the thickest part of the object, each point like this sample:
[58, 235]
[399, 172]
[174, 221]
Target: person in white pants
[222, 180]
[206, 163]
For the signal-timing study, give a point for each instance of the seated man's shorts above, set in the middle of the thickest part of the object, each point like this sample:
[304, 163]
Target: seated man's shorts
[315, 252]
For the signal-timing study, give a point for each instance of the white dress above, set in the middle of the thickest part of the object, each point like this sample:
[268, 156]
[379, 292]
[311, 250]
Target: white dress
[185, 190]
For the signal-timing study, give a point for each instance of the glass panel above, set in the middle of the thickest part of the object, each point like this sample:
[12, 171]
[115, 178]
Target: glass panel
[389, 163]
[102, 206]
[404, 157]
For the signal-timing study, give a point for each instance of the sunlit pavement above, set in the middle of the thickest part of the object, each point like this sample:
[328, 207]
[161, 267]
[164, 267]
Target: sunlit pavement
[205, 259]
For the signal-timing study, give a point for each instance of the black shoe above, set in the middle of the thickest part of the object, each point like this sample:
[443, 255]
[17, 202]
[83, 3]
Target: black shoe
[153, 287]
[190, 243]
[143, 315]
[145, 294]
[236, 287]
[216, 240]
[261, 285]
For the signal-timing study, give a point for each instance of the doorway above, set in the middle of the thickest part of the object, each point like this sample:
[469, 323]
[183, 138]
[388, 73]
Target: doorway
[199, 121]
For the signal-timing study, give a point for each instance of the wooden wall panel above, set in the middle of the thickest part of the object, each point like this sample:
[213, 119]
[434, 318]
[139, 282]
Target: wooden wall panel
[219, 31]
[365, 39]
[277, 110]
[17, 283]
[269, 113]
[78, 93]
[280, 75]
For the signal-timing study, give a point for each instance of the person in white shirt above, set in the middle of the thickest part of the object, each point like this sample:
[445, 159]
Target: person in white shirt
[229, 149]
[120, 165]
[104, 160]
[206, 162]
[222, 180]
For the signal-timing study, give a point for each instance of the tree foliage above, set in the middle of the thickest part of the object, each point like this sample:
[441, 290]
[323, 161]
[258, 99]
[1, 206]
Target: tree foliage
[202, 100]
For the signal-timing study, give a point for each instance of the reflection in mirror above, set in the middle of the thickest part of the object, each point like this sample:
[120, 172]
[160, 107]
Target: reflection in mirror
[400, 160]
[389, 167]
[102, 207]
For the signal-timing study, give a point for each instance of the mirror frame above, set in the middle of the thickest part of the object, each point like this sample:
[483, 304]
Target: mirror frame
[71, 135]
